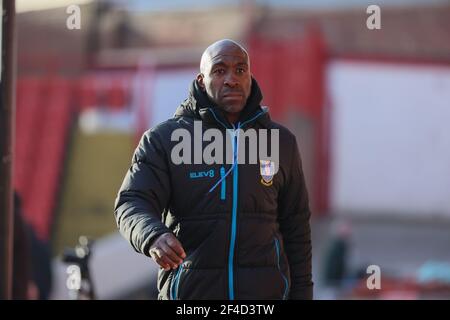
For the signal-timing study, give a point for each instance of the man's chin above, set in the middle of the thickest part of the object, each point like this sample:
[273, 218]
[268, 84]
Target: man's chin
[233, 108]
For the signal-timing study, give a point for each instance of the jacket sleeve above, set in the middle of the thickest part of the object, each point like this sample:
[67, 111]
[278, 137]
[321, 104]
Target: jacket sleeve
[294, 215]
[144, 194]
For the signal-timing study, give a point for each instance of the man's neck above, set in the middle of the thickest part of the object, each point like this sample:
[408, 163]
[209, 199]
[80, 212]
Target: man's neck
[232, 117]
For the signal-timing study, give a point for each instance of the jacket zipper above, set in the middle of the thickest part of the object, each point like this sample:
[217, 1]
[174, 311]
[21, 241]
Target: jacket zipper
[233, 219]
[286, 283]
[223, 187]
[176, 283]
[235, 202]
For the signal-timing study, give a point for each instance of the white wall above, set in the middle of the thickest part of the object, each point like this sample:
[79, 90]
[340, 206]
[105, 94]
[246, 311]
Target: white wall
[170, 88]
[390, 138]
[157, 93]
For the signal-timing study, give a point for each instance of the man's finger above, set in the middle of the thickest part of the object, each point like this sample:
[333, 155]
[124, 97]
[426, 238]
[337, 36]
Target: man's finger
[155, 252]
[163, 263]
[171, 254]
[165, 259]
[158, 256]
[177, 247]
[160, 262]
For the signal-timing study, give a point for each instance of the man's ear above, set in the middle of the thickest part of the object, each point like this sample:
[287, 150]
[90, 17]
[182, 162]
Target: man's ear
[200, 82]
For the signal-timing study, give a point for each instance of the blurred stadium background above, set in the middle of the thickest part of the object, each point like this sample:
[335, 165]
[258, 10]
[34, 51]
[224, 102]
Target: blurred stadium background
[370, 108]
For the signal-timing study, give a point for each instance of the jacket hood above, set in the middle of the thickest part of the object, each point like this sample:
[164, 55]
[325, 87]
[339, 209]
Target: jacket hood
[198, 103]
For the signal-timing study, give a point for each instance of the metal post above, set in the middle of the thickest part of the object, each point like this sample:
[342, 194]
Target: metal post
[6, 145]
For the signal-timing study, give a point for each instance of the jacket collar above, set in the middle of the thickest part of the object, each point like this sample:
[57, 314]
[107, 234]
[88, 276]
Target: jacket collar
[200, 107]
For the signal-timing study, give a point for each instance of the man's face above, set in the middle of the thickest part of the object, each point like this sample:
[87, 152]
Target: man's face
[226, 78]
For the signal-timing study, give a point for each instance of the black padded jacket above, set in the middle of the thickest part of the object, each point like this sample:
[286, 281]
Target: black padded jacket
[245, 237]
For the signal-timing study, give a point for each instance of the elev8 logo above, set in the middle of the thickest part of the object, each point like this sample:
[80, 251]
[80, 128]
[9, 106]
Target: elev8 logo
[202, 174]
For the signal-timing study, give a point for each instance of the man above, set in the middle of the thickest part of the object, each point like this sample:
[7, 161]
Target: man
[220, 230]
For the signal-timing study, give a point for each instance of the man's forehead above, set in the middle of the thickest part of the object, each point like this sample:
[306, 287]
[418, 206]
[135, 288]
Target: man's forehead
[238, 58]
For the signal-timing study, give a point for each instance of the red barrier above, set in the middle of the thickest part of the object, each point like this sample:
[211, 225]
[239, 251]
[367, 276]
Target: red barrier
[44, 111]
[43, 122]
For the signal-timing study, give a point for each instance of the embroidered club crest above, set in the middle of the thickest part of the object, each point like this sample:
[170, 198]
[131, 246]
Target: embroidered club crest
[267, 170]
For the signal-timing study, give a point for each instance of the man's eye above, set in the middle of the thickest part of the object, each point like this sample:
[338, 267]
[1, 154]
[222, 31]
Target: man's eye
[219, 71]
[241, 70]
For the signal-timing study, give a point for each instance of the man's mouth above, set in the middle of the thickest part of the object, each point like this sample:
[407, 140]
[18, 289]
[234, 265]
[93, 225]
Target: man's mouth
[232, 95]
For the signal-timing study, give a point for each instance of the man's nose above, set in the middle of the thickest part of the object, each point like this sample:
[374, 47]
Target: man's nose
[230, 80]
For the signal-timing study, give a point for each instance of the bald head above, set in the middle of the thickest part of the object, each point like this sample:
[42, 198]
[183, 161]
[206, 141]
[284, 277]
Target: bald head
[225, 76]
[226, 46]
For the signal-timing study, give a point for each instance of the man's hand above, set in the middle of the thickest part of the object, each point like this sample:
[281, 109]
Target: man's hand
[167, 251]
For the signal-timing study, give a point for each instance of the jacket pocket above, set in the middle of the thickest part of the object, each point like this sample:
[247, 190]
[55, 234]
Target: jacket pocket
[283, 276]
[223, 186]
[175, 285]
